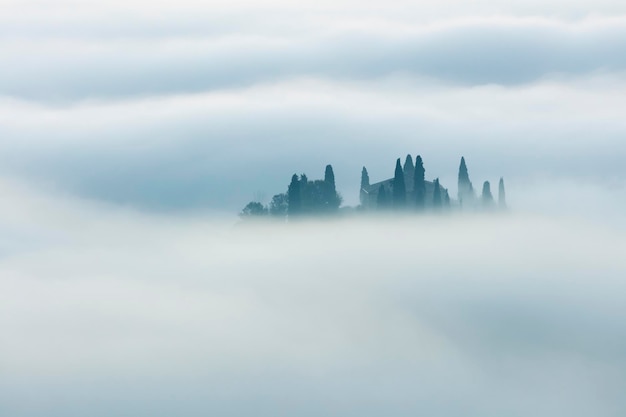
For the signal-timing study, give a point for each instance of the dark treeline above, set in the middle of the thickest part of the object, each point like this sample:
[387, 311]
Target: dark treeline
[303, 197]
[407, 190]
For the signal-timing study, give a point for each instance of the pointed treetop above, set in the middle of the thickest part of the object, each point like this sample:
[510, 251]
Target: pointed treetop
[329, 176]
[399, 187]
[419, 183]
[465, 188]
[501, 194]
[293, 197]
[365, 178]
[408, 164]
[487, 197]
[463, 174]
[419, 168]
[330, 197]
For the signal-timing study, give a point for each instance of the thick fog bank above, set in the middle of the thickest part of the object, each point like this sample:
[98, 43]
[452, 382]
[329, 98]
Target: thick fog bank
[108, 312]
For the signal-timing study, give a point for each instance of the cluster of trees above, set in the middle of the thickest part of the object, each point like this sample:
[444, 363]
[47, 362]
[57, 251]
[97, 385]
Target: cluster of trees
[302, 197]
[407, 189]
[467, 196]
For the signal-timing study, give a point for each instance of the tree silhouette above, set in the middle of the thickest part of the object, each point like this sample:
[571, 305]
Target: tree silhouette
[294, 197]
[253, 209]
[487, 197]
[331, 199]
[279, 205]
[466, 190]
[437, 195]
[365, 183]
[365, 178]
[409, 173]
[399, 189]
[419, 183]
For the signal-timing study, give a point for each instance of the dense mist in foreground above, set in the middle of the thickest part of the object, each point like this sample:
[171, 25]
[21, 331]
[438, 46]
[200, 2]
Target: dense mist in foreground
[109, 312]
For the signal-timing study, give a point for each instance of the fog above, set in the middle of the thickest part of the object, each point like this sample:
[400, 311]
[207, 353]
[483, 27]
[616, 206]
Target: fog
[112, 311]
[133, 132]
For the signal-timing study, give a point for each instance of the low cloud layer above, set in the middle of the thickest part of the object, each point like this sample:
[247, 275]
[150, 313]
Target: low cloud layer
[506, 51]
[106, 311]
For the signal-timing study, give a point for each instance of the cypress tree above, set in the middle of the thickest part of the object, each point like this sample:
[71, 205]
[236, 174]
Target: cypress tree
[294, 199]
[466, 191]
[331, 200]
[307, 203]
[501, 194]
[409, 173]
[365, 178]
[365, 184]
[329, 176]
[419, 183]
[381, 200]
[436, 195]
[487, 197]
[408, 163]
[399, 189]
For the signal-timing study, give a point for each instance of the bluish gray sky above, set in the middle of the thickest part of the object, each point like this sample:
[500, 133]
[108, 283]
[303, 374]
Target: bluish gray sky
[207, 105]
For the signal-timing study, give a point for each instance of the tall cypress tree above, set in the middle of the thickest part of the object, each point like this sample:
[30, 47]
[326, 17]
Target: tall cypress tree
[437, 195]
[307, 196]
[331, 200]
[365, 184]
[399, 189]
[501, 194]
[419, 183]
[466, 191]
[409, 173]
[329, 176]
[365, 178]
[487, 197]
[294, 198]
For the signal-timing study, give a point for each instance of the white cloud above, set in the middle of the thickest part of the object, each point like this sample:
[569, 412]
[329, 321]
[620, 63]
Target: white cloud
[119, 308]
[475, 51]
[165, 151]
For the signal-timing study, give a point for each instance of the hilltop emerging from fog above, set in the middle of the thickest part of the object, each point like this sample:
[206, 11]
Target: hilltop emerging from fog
[407, 191]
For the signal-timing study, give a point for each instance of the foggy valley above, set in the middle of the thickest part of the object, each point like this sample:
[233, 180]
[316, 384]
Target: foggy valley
[163, 252]
[108, 311]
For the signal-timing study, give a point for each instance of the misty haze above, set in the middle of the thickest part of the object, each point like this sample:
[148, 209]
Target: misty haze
[329, 208]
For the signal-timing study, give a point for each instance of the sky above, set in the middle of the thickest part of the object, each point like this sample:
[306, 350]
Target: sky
[203, 106]
[133, 132]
